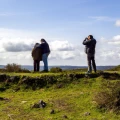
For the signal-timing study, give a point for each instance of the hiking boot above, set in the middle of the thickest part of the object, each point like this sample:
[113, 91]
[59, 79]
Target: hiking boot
[88, 72]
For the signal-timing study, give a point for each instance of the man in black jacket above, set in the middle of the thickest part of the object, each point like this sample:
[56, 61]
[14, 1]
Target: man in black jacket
[45, 52]
[90, 44]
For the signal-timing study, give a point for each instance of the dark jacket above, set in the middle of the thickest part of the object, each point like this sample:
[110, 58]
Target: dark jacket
[45, 48]
[90, 46]
[37, 53]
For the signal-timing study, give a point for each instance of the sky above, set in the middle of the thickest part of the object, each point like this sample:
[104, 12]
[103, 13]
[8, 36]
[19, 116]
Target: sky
[64, 24]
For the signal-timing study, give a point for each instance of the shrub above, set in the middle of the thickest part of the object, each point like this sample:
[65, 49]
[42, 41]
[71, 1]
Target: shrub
[55, 70]
[15, 68]
[117, 68]
[2, 70]
[12, 67]
[109, 96]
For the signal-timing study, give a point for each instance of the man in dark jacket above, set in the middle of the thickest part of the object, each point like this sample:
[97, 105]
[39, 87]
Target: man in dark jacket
[90, 44]
[37, 57]
[45, 52]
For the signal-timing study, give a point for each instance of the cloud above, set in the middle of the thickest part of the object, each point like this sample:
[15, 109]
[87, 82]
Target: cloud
[117, 23]
[115, 40]
[64, 55]
[106, 19]
[18, 40]
[17, 47]
[61, 46]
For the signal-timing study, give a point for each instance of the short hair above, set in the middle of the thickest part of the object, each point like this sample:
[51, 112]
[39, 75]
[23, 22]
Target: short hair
[91, 36]
[36, 44]
[43, 40]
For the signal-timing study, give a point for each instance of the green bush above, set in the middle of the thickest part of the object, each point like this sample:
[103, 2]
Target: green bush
[55, 70]
[15, 68]
[117, 68]
[109, 96]
[2, 70]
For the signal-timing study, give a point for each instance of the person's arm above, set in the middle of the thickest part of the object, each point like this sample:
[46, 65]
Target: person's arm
[86, 41]
[32, 52]
[40, 46]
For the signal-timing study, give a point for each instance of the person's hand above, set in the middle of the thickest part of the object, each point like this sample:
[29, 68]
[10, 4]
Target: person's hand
[88, 38]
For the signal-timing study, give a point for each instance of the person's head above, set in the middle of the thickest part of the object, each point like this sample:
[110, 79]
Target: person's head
[42, 40]
[36, 44]
[90, 37]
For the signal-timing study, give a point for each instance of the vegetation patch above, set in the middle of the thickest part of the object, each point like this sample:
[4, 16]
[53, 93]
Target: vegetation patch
[67, 95]
[55, 70]
[14, 68]
[108, 97]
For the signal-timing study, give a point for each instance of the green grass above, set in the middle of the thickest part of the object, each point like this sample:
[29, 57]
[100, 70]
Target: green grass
[73, 100]
[41, 74]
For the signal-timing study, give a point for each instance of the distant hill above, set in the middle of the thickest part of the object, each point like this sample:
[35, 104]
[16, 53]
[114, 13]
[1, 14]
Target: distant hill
[116, 68]
[66, 67]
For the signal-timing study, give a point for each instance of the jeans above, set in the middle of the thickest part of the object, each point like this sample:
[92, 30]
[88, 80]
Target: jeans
[91, 58]
[36, 65]
[45, 61]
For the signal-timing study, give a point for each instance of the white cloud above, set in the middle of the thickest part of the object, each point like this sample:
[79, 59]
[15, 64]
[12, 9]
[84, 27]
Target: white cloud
[117, 23]
[61, 46]
[16, 47]
[64, 55]
[106, 19]
[115, 40]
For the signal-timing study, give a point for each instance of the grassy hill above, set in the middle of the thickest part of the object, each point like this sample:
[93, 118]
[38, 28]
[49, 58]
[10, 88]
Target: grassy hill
[117, 68]
[70, 95]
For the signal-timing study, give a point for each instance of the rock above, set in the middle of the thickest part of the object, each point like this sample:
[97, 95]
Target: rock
[22, 102]
[87, 75]
[52, 112]
[86, 113]
[13, 79]
[36, 106]
[65, 116]
[70, 75]
[40, 104]
[2, 99]
[25, 79]
[2, 89]
[3, 77]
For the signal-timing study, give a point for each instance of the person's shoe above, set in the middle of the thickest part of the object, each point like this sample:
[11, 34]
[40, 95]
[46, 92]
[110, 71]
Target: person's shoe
[88, 72]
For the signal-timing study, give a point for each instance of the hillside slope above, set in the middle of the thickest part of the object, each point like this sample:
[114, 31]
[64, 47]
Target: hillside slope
[71, 97]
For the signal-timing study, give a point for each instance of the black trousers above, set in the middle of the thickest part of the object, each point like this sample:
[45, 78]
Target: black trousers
[36, 65]
[91, 59]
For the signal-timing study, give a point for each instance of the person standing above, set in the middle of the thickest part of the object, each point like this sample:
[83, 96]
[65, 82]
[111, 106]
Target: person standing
[45, 52]
[90, 44]
[37, 57]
